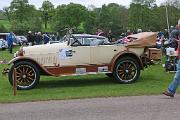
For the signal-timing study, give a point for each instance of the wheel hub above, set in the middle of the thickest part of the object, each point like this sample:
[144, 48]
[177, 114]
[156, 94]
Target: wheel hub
[24, 76]
[126, 71]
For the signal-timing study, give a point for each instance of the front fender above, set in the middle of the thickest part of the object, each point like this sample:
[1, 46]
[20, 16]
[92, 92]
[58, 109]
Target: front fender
[22, 58]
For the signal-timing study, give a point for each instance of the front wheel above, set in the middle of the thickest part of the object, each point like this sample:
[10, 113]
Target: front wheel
[126, 70]
[27, 75]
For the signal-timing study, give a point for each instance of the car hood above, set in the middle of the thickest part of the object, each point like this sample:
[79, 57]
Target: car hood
[43, 49]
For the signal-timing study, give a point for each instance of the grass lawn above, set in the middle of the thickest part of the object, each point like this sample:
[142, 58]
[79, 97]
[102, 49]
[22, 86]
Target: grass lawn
[5, 23]
[153, 80]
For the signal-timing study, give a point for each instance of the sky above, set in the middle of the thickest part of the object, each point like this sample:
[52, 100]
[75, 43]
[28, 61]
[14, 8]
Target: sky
[97, 3]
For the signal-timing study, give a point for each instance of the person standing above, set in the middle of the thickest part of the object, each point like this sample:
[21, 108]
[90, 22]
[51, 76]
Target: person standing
[57, 36]
[9, 39]
[30, 38]
[100, 32]
[38, 38]
[46, 38]
[53, 37]
[110, 36]
[176, 81]
[166, 34]
[174, 38]
[35, 38]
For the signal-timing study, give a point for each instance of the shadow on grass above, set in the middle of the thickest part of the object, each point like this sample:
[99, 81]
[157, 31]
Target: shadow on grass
[75, 82]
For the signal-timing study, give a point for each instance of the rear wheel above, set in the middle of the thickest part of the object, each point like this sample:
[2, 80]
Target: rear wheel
[27, 75]
[126, 70]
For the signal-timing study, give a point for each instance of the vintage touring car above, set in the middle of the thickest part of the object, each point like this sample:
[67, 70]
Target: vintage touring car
[82, 54]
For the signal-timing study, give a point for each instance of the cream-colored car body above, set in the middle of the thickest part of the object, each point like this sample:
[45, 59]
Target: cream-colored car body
[62, 54]
[52, 54]
[121, 61]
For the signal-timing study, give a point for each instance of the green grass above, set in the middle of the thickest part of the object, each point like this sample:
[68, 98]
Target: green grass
[5, 23]
[153, 81]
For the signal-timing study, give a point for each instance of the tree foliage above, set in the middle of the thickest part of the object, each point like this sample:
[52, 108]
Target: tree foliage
[47, 12]
[144, 14]
[110, 17]
[71, 15]
[23, 16]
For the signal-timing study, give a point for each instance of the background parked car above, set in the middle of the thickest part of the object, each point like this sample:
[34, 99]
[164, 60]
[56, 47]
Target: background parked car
[4, 35]
[21, 40]
[3, 44]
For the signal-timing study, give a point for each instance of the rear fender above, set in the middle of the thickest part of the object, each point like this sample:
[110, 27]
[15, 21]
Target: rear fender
[124, 54]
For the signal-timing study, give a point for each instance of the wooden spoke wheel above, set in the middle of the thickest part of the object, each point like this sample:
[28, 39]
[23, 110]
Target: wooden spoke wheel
[126, 70]
[27, 75]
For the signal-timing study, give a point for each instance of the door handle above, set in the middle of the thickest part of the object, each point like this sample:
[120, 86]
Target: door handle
[115, 50]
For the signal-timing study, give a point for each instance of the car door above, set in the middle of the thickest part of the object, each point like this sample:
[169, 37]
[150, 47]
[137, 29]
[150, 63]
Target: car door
[74, 55]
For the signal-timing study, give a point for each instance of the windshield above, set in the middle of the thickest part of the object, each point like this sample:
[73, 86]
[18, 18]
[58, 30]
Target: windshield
[85, 40]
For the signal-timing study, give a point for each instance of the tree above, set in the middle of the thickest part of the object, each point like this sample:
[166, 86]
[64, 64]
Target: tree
[144, 14]
[75, 14]
[71, 15]
[118, 17]
[141, 16]
[19, 10]
[134, 18]
[109, 17]
[23, 16]
[90, 23]
[7, 13]
[47, 11]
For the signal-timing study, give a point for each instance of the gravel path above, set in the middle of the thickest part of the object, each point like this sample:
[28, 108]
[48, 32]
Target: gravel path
[114, 108]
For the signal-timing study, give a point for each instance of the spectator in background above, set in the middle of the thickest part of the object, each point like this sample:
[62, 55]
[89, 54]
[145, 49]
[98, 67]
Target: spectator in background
[171, 29]
[160, 34]
[10, 39]
[38, 38]
[100, 32]
[57, 36]
[128, 32]
[139, 30]
[30, 38]
[53, 37]
[174, 38]
[166, 34]
[46, 38]
[110, 36]
[35, 38]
